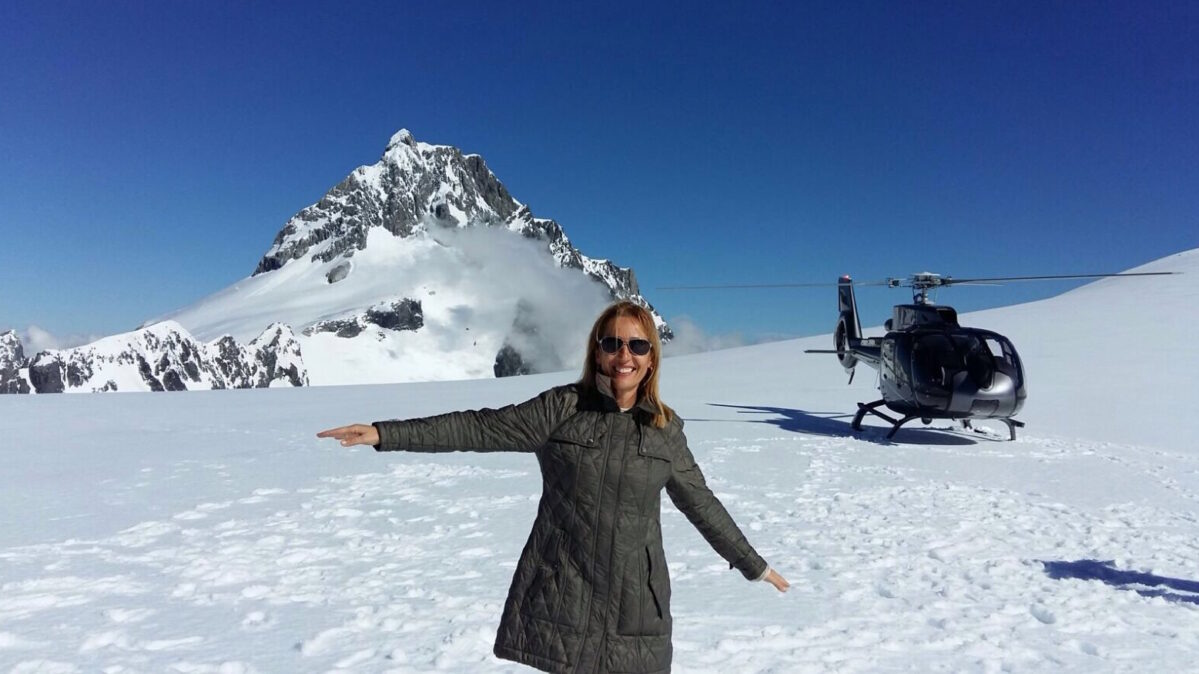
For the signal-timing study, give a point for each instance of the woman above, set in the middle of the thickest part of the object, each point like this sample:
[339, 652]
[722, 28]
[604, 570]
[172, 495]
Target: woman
[591, 592]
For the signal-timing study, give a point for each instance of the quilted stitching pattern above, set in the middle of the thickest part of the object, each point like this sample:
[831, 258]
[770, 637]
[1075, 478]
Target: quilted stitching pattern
[590, 592]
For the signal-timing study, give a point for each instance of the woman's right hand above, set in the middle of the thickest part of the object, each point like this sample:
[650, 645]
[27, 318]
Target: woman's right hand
[777, 580]
[354, 434]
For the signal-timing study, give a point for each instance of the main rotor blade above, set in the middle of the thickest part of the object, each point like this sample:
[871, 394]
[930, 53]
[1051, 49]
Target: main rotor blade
[1053, 277]
[751, 286]
[895, 282]
[737, 286]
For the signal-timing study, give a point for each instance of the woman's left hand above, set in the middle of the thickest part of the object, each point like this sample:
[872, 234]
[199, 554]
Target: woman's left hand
[777, 581]
[354, 434]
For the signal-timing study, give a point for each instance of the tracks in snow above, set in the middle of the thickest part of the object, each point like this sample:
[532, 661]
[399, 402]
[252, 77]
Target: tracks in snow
[902, 557]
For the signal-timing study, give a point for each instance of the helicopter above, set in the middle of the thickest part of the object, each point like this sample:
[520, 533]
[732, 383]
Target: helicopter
[929, 365]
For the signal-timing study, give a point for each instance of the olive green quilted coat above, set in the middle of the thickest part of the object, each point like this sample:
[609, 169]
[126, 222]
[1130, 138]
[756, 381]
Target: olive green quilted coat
[591, 591]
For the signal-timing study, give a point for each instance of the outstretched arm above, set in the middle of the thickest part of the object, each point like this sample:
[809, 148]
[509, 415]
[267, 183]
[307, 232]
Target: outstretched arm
[691, 495]
[522, 427]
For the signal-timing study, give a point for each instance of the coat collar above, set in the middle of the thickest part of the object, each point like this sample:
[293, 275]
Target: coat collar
[603, 384]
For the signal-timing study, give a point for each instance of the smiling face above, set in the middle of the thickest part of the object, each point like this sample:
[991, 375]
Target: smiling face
[626, 369]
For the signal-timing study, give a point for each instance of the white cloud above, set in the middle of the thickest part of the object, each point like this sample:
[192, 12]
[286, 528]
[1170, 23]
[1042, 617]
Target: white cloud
[690, 338]
[512, 280]
[35, 339]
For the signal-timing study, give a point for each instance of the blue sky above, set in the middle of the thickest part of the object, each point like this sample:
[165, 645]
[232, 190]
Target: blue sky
[149, 151]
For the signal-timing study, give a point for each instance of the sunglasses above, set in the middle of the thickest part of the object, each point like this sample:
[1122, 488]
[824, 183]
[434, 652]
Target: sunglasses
[637, 347]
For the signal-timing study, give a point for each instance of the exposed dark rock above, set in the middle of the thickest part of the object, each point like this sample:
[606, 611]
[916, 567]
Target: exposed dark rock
[172, 382]
[147, 374]
[46, 373]
[228, 363]
[13, 382]
[338, 273]
[342, 328]
[192, 369]
[78, 372]
[508, 363]
[292, 375]
[405, 314]
[347, 328]
[266, 360]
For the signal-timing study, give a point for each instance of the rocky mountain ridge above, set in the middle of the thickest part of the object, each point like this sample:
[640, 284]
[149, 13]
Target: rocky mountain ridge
[162, 357]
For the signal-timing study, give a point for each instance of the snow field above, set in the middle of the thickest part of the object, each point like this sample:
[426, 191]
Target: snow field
[210, 532]
[404, 569]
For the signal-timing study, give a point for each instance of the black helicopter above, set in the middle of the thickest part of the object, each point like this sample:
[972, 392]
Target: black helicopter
[930, 366]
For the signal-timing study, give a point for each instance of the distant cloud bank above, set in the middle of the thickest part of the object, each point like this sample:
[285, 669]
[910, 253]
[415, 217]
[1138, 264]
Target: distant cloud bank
[690, 338]
[35, 339]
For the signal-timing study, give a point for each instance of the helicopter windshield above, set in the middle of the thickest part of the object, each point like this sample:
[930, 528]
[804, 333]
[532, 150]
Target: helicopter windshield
[938, 357]
[980, 362]
[1006, 360]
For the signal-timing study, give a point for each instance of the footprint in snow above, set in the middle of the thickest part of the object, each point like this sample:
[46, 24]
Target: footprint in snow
[1043, 614]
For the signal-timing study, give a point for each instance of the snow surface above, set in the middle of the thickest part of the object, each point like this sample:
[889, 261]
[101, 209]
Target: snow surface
[210, 531]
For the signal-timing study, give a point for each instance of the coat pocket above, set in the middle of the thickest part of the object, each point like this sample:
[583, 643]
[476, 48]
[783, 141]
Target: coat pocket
[548, 596]
[578, 431]
[573, 441]
[645, 596]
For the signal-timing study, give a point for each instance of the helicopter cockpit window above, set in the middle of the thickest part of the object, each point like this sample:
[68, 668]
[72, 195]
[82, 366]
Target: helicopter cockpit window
[937, 359]
[934, 362]
[1006, 360]
[1001, 354]
[979, 358]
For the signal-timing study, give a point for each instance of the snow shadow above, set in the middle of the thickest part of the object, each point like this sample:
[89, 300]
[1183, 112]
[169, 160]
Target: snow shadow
[1171, 589]
[836, 424]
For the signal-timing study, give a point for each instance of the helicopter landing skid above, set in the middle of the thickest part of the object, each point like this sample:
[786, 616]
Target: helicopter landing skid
[872, 408]
[1012, 425]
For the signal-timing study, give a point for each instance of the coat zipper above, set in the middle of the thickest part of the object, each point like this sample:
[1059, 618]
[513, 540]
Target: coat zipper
[599, 513]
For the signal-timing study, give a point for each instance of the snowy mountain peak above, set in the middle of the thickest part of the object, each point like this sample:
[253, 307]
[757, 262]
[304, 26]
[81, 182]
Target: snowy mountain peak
[12, 360]
[412, 188]
[421, 267]
[401, 137]
[415, 191]
[10, 346]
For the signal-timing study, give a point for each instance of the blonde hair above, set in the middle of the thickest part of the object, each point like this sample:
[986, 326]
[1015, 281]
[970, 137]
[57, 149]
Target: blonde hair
[648, 390]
